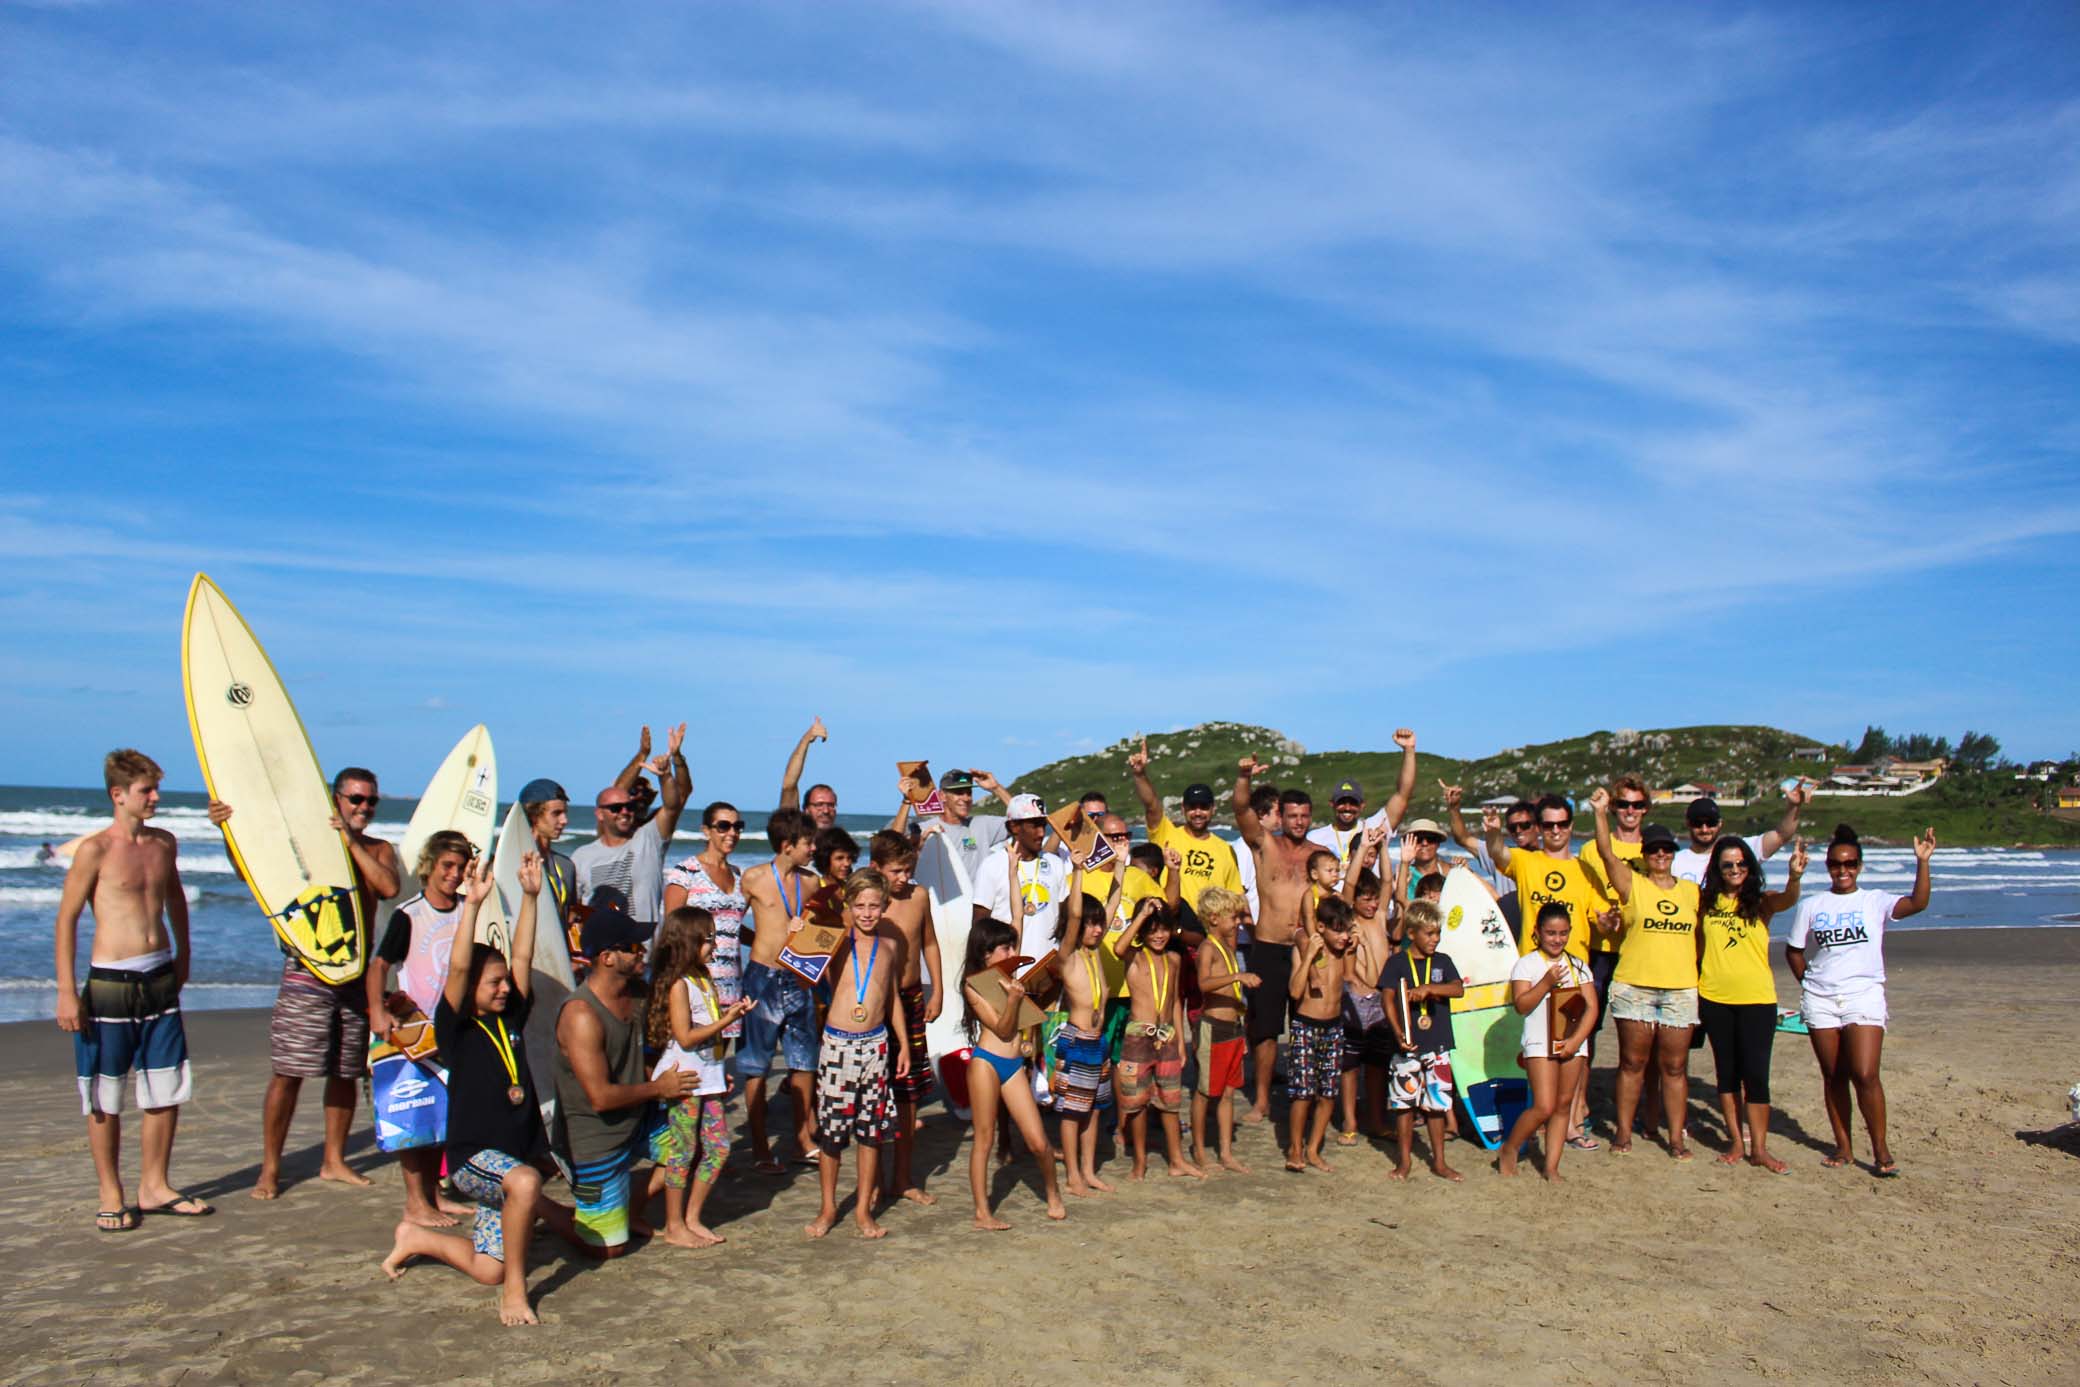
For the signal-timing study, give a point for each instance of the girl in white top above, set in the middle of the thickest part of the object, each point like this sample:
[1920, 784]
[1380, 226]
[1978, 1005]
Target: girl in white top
[685, 1018]
[1557, 1067]
[1837, 952]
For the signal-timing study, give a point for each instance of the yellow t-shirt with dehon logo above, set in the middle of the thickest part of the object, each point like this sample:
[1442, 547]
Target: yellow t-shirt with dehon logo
[1660, 939]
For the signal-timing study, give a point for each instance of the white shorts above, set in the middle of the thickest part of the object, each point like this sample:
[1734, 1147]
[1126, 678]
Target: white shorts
[1863, 1007]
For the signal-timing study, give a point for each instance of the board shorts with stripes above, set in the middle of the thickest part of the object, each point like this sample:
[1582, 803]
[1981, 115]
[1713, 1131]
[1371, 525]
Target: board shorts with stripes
[1420, 1082]
[916, 1086]
[1222, 1045]
[599, 1194]
[131, 1023]
[1150, 1068]
[482, 1180]
[318, 1031]
[692, 1140]
[1079, 1068]
[853, 1098]
[1315, 1060]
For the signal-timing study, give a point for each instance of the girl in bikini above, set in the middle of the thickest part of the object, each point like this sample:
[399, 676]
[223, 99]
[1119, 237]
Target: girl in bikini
[997, 1070]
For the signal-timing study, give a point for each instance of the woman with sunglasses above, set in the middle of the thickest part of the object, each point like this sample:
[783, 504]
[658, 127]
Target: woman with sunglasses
[1837, 953]
[1737, 992]
[708, 881]
[1654, 988]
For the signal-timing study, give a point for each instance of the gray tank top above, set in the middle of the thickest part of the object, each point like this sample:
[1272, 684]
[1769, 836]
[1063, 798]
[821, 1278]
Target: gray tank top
[587, 1135]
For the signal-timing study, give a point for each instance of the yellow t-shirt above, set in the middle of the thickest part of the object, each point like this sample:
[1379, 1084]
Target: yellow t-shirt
[1592, 868]
[1736, 958]
[1208, 861]
[1660, 935]
[1541, 879]
[1138, 888]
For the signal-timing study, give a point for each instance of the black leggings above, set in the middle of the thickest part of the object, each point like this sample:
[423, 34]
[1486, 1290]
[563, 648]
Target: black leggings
[1741, 1036]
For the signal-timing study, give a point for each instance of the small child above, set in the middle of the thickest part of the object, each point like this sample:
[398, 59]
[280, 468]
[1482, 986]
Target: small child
[1421, 1078]
[997, 1073]
[1324, 873]
[1557, 1068]
[1368, 1046]
[685, 1018]
[1221, 1041]
[1151, 1061]
[494, 1121]
[853, 1099]
[1321, 965]
[1079, 1046]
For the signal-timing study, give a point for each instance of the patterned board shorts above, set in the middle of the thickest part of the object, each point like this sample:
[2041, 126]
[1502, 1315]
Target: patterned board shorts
[483, 1181]
[132, 1023]
[600, 1194]
[916, 1086]
[1079, 1069]
[1315, 1064]
[1420, 1082]
[1150, 1069]
[853, 1098]
[1222, 1046]
[317, 1031]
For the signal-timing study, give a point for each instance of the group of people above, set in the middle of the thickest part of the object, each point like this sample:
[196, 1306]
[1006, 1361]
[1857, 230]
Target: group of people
[1102, 979]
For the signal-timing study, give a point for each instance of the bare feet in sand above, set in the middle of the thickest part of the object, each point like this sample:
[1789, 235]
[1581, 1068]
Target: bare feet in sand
[1314, 1158]
[821, 1226]
[1769, 1163]
[394, 1264]
[989, 1223]
[344, 1174]
[1230, 1163]
[1056, 1211]
[868, 1228]
[1399, 1172]
[1445, 1172]
[917, 1196]
[426, 1216]
[1506, 1165]
[690, 1235]
[1099, 1185]
[1185, 1170]
[514, 1309]
[1728, 1158]
[267, 1187]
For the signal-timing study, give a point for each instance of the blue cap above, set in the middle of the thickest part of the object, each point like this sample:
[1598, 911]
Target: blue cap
[541, 792]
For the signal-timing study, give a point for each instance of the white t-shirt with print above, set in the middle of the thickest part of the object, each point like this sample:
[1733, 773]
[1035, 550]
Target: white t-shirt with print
[1844, 940]
[701, 1058]
[1530, 968]
[1043, 882]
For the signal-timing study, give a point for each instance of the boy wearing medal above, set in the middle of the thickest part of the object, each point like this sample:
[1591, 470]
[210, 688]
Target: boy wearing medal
[854, 1101]
[1420, 1077]
[494, 1120]
[1220, 1041]
[782, 1024]
[1151, 1058]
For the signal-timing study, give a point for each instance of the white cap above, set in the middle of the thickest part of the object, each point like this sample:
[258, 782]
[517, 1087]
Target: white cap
[1026, 807]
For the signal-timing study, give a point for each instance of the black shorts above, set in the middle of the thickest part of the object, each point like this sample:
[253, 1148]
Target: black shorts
[1273, 965]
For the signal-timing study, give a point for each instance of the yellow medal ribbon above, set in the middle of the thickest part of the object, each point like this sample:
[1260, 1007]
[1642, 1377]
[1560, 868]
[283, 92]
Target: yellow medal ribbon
[1228, 959]
[503, 1043]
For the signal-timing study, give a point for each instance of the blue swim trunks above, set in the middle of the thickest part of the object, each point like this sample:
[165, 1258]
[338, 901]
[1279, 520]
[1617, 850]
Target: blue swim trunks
[782, 1021]
[132, 1025]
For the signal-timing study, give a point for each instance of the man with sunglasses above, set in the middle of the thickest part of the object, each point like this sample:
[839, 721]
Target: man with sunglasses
[1347, 818]
[1548, 873]
[822, 803]
[628, 856]
[1702, 819]
[970, 836]
[320, 1030]
[1208, 860]
[1629, 801]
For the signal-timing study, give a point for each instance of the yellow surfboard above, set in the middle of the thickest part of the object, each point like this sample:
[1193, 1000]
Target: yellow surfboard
[257, 758]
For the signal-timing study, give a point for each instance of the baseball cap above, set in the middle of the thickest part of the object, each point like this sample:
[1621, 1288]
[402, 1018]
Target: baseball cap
[1656, 836]
[1347, 789]
[956, 780]
[540, 791]
[1425, 826]
[1025, 807]
[610, 928]
[1198, 797]
[1701, 811]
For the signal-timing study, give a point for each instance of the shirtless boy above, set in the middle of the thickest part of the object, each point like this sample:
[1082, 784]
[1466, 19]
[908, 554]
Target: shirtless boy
[1221, 1038]
[866, 1029]
[783, 1023]
[1151, 1061]
[129, 1017]
[909, 914]
[1079, 1046]
[1281, 862]
[1321, 967]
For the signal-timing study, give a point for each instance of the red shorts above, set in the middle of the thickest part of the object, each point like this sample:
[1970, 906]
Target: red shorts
[1222, 1046]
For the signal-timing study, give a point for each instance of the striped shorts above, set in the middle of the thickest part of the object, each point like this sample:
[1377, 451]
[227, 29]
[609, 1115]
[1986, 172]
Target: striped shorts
[132, 1024]
[318, 1031]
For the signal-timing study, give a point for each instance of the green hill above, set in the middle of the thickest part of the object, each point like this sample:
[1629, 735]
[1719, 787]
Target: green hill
[1967, 809]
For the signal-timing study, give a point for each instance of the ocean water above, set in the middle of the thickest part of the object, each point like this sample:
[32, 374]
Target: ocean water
[237, 962]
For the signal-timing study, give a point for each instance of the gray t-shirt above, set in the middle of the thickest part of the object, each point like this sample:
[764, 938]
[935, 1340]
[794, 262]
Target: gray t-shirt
[973, 840]
[635, 869]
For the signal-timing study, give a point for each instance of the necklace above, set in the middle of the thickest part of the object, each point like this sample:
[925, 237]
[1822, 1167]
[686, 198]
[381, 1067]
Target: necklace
[1228, 962]
[860, 983]
[503, 1043]
[1429, 964]
[1156, 972]
[780, 885]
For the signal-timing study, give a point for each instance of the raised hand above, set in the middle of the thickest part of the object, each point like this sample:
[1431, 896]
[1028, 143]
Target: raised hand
[1408, 847]
[1405, 738]
[1600, 800]
[1798, 855]
[1453, 794]
[817, 732]
[1172, 858]
[1137, 761]
[674, 740]
[476, 882]
[643, 744]
[1248, 766]
[1925, 845]
[531, 873]
[1801, 793]
[1491, 819]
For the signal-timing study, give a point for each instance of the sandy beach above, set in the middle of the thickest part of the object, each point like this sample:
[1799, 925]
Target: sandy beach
[1638, 1268]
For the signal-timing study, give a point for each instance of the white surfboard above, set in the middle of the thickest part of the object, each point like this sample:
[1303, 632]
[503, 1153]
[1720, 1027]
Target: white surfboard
[257, 758]
[944, 878]
[463, 795]
[552, 955]
[1477, 939]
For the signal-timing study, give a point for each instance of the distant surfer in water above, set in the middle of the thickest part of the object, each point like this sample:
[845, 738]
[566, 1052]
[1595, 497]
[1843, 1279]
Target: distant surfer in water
[128, 1018]
[320, 1030]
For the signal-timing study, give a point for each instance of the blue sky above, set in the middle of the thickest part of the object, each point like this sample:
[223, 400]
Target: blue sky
[1000, 380]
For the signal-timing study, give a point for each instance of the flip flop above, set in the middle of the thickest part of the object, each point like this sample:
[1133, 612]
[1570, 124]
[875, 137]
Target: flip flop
[171, 1208]
[1584, 1143]
[769, 1166]
[1887, 1171]
[1833, 1162]
[117, 1221]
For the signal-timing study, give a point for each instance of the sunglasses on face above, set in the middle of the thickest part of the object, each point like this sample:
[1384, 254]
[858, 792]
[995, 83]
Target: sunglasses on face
[1842, 866]
[1730, 867]
[624, 807]
[359, 800]
[1659, 850]
[726, 826]
[1521, 826]
[1707, 823]
[1117, 837]
[1632, 804]
[1554, 825]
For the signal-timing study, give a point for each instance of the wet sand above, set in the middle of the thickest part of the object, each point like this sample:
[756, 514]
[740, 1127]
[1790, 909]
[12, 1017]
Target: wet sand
[1638, 1269]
